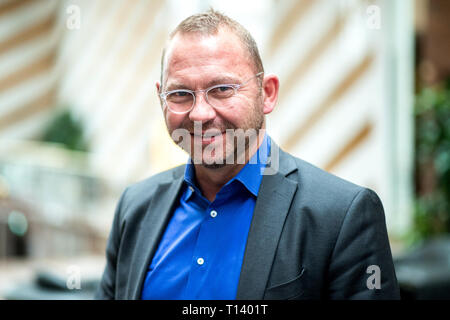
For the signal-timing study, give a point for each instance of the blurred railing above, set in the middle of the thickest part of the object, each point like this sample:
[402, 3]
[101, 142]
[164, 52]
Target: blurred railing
[51, 203]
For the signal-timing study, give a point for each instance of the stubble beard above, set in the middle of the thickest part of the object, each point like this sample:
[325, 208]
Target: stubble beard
[234, 153]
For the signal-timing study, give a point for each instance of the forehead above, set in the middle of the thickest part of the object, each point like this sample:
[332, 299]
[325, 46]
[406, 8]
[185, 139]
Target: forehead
[196, 57]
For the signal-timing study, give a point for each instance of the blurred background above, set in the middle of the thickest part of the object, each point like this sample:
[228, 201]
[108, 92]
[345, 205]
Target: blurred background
[365, 94]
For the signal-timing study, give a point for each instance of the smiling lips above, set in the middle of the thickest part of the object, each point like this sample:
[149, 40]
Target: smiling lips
[207, 137]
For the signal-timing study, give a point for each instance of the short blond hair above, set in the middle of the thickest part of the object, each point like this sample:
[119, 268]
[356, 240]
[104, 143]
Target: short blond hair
[209, 23]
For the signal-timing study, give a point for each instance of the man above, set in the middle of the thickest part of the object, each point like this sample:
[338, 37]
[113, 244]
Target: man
[240, 220]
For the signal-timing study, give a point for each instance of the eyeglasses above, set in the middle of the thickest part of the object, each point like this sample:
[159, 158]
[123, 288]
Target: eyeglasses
[218, 96]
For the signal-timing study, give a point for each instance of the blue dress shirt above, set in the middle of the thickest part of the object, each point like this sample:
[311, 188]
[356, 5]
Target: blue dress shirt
[201, 251]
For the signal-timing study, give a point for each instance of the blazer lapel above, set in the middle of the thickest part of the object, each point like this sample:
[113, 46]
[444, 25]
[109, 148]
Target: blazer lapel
[152, 228]
[272, 205]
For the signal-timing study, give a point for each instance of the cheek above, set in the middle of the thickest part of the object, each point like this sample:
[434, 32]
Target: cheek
[173, 121]
[242, 108]
[247, 110]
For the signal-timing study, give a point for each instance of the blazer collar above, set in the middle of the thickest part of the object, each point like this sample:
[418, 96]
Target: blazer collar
[151, 230]
[271, 209]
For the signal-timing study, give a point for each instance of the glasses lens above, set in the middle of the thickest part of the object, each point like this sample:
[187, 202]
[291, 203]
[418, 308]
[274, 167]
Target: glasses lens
[180, 101]
[220, 96]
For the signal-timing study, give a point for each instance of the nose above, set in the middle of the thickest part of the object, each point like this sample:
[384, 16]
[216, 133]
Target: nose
[202, 110]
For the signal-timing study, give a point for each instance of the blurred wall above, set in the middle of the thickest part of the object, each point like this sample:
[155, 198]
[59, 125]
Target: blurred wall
[345, 102]
[29, 39]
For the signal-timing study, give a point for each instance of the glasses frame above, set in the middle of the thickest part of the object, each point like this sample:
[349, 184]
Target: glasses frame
[236, 87]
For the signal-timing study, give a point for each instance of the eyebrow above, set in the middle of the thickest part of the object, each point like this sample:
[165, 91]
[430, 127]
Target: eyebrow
[216, 81]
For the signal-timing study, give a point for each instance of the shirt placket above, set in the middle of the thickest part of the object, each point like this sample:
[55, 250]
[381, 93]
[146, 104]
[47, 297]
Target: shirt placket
[201, 263]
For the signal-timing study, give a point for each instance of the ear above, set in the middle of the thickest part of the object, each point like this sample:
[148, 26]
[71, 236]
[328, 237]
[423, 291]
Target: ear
[158, 91]
[270, 88]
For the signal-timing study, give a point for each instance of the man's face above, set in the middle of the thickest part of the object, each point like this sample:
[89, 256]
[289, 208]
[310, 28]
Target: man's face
[198, 62]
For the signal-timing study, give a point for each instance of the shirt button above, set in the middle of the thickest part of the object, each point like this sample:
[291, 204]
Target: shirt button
[213, 213]
[200, 261]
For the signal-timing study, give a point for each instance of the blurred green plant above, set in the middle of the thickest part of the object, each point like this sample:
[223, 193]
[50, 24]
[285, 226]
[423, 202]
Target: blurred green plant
[432, 162]
[64, 129]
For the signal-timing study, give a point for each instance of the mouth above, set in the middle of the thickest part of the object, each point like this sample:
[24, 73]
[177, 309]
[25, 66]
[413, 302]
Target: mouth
[207, 137]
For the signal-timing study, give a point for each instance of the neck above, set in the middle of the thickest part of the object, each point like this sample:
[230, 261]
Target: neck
[211, 180]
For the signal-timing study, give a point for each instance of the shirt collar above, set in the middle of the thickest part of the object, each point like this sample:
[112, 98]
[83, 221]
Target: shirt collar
[250, 175]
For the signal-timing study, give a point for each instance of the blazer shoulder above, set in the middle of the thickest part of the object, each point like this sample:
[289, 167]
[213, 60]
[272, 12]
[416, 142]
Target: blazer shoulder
[143, 190]
[320, 178]
[326, 188]
[329, 198]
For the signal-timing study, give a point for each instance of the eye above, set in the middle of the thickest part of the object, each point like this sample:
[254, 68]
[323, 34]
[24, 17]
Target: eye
[180, 94]
[180, 97]
[224, 88]
[221, 92]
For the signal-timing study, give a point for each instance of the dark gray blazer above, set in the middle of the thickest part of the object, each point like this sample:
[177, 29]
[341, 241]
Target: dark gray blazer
[313, 236]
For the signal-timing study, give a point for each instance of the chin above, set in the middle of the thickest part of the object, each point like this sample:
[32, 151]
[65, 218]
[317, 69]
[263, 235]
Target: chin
[213, 166]
[213, 162]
